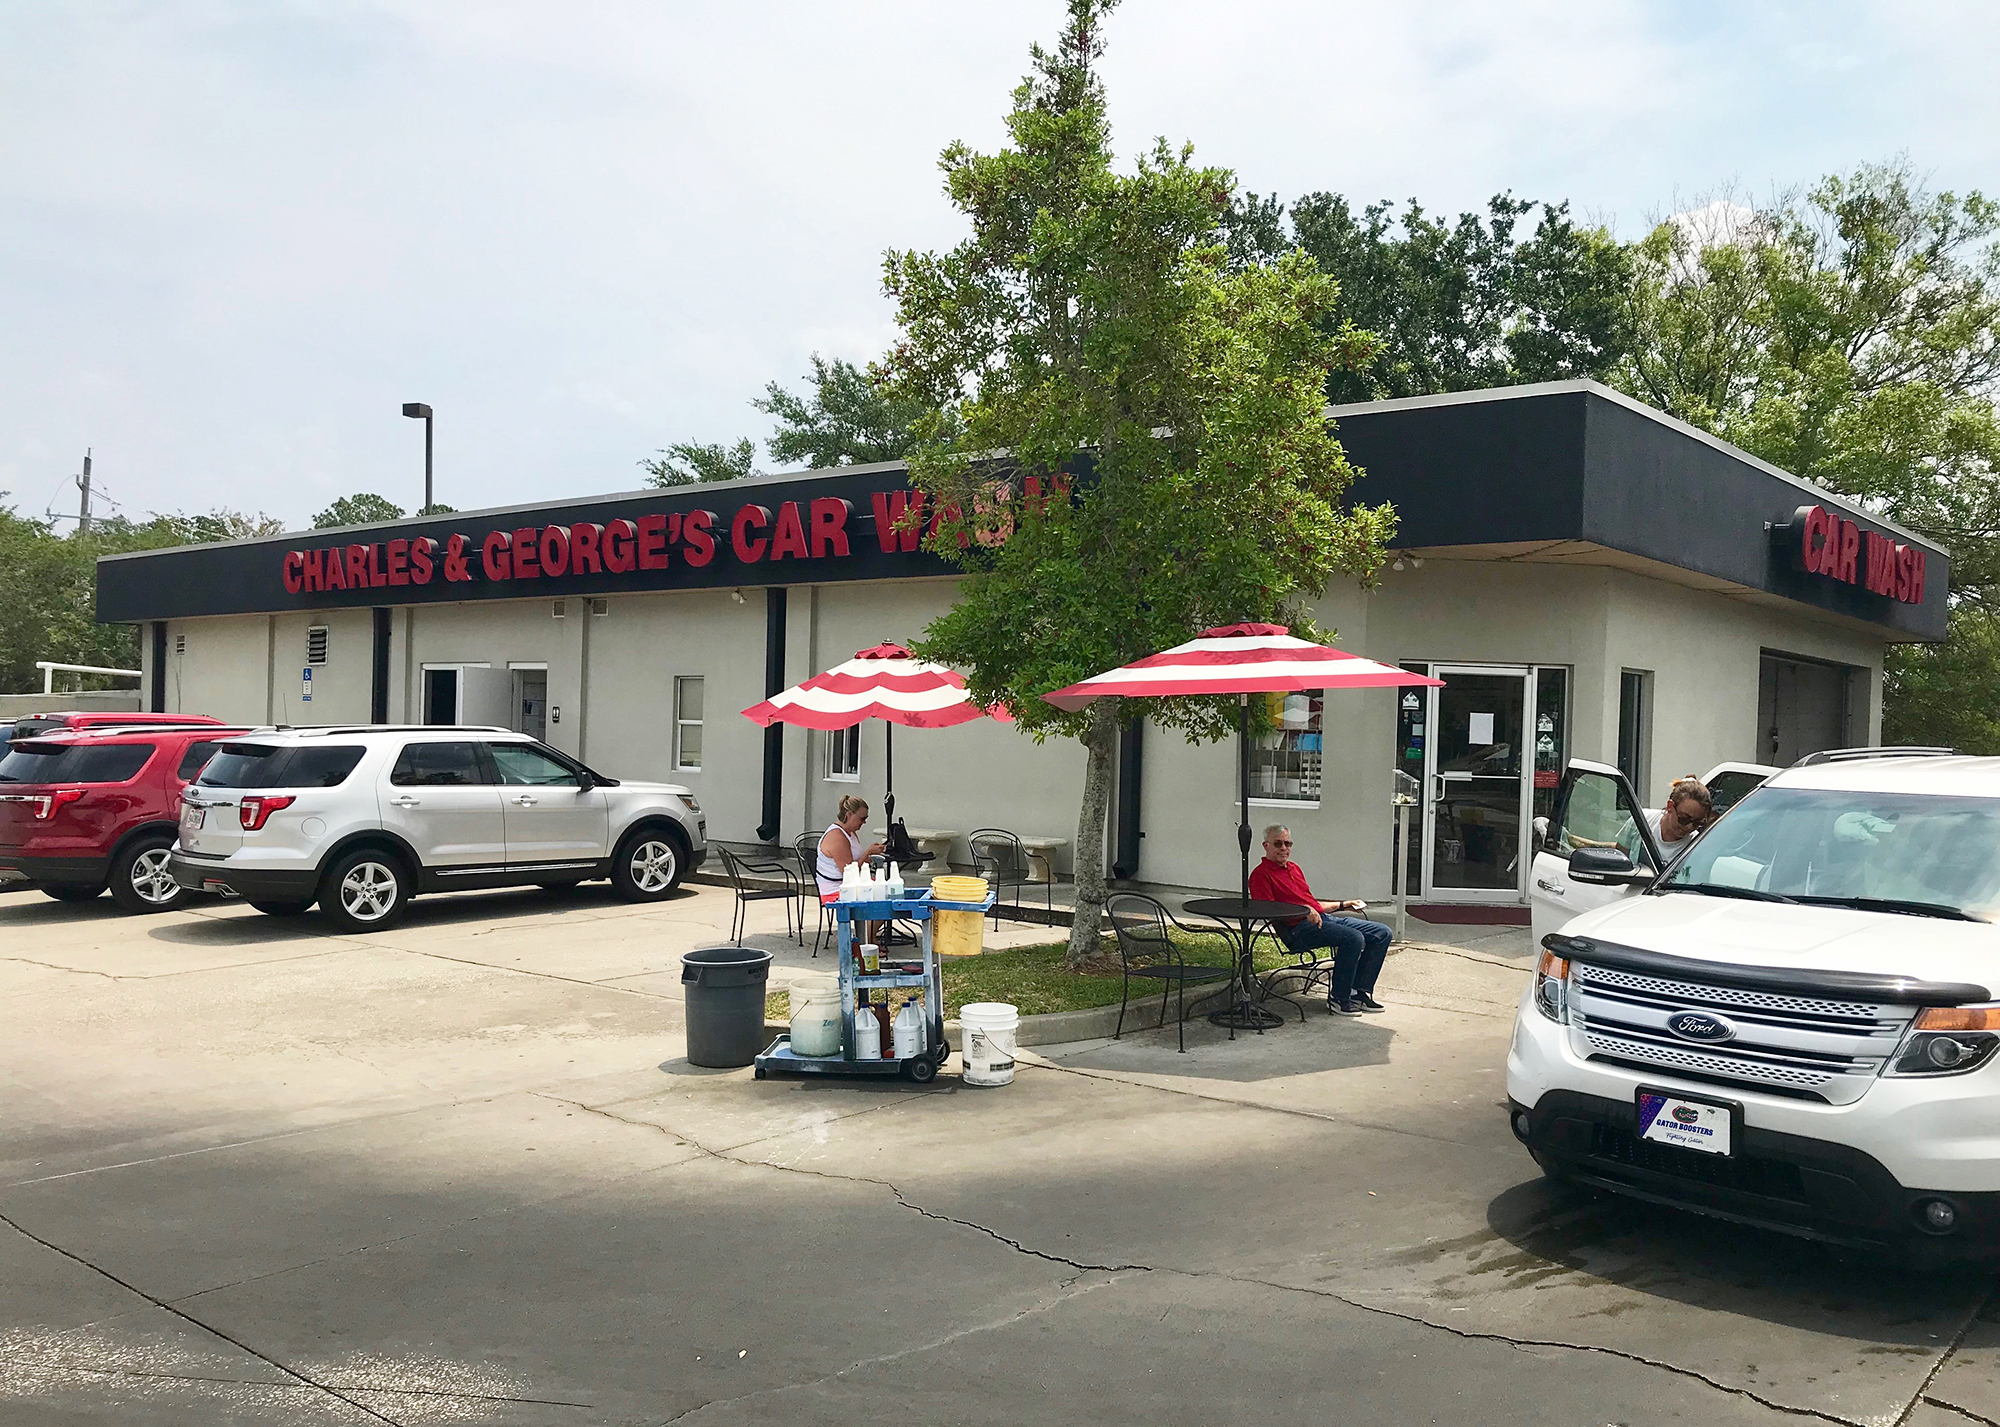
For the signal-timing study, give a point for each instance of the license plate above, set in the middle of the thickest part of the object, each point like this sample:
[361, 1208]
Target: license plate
[1704, 1125]
[191, 818]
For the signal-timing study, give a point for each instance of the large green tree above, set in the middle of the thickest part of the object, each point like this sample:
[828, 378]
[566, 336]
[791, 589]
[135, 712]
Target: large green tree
[361, 508]
[687, 463]
[1098, 312]
[1851, 334]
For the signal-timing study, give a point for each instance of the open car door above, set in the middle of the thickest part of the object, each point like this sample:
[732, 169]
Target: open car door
[1596, 808]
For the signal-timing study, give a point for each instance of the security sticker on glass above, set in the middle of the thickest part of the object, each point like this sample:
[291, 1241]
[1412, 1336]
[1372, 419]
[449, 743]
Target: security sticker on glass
[1689, 1124]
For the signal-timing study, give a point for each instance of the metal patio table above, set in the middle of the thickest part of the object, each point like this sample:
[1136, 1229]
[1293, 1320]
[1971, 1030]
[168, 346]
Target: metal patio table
[1236, 919]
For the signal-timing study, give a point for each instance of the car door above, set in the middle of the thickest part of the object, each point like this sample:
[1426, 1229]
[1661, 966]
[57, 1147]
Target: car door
[552, 817]
[1595, 807]
[442, 799]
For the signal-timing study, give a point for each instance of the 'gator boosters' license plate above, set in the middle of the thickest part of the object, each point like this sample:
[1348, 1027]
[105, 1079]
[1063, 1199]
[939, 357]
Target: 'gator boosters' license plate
[1689, 1124]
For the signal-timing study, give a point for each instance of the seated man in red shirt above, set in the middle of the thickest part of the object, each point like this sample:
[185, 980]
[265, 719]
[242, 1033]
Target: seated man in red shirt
[1358, 945]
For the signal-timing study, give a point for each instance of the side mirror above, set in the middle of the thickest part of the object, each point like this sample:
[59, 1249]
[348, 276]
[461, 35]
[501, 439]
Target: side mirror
[1605, 867]
[584, 782]
[1539, 832]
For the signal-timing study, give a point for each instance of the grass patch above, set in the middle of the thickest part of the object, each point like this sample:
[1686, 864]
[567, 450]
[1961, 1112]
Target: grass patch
[1032, 977]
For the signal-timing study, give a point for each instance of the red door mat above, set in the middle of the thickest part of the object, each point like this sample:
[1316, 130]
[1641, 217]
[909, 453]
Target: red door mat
[1471, 916]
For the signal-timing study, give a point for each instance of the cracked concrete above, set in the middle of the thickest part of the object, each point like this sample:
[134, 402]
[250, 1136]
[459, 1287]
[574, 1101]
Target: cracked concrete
[252, 1173]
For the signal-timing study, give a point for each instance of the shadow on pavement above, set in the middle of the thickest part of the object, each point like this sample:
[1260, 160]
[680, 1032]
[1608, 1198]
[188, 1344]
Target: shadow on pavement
[453, 909]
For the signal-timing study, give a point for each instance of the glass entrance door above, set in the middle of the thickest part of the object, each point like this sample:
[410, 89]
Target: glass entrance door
[1478, 786]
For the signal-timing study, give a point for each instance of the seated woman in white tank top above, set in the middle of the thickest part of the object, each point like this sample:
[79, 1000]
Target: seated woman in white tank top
[841, 846]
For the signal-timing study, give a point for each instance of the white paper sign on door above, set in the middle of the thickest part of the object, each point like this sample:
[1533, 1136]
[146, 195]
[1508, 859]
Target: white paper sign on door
[1482, 730]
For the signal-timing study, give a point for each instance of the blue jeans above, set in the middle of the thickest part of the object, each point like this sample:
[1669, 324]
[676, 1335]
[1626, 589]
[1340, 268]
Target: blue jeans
[1358, 948]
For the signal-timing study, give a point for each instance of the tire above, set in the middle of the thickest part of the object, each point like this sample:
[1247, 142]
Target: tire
[73, 891]
[283, 909]
[365, 890]
[140, 881]
[649, 865]
[922, 1069]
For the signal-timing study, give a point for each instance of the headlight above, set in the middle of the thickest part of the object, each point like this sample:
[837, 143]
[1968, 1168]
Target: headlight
[1948, 1040]
[1552, 987]
[693, 803]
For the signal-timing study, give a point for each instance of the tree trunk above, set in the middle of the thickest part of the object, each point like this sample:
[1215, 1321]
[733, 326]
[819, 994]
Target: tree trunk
[1100, 739]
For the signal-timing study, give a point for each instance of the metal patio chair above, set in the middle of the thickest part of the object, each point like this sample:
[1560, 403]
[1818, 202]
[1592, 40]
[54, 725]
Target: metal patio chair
[805, 847]
[741, 870]
[999, 857]
[1146, 948]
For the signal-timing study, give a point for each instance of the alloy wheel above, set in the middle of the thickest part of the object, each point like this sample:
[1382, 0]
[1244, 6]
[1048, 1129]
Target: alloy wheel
[151, 879]
[368, 892]
[654, 865]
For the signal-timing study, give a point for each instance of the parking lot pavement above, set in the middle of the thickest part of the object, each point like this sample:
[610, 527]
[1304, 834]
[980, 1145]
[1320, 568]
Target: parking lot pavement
[251, 1172]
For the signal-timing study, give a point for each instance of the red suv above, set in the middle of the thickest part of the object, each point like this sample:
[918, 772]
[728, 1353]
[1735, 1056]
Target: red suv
[83, 808]
[99, 718]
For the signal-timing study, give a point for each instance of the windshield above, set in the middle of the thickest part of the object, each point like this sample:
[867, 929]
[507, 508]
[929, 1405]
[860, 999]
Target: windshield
[1884, 851]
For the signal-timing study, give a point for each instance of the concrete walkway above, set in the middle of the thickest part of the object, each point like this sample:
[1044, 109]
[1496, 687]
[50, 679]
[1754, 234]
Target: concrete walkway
[251, 1172]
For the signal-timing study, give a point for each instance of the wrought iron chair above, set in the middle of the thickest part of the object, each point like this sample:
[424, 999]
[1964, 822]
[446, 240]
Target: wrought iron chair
[1314, 963]
[999, 857]
[1146, 948]
[741, 870]
[805, 847]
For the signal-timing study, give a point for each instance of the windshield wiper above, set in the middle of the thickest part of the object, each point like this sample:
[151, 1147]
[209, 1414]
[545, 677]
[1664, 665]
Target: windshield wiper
[1896, 904]
[1717, 889]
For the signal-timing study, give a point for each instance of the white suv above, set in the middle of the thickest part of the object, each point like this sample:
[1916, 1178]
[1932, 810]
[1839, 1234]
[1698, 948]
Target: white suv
[361, 819]
[1795, 1024]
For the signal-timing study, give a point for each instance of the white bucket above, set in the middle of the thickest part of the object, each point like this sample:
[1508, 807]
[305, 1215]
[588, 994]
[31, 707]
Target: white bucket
[987, 1029]
[816, 1027]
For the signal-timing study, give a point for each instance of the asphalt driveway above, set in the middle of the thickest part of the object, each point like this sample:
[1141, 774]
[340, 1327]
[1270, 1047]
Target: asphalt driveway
[251, 1171]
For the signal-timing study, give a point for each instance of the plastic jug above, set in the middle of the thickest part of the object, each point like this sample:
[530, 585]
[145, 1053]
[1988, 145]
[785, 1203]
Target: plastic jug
[910, 1031]
[816, 1016]
[867, 1034]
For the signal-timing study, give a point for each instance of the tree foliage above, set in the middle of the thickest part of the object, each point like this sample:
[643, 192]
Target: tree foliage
[686, 463]
[1851, 334]
[1459, 304]
[849, 418]
[1099, 312]
[361, 508]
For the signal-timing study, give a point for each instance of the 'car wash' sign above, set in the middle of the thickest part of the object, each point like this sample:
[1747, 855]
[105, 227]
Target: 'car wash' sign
[1833, 547]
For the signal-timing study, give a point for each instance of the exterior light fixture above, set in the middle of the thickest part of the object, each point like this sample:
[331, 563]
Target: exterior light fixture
[419, 409]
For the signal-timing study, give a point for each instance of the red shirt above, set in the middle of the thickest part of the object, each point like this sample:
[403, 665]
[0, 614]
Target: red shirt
[1281, 882]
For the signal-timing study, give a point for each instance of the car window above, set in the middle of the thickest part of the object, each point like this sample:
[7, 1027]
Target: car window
[73, 763]
[240, 765]
[1599, 814]
[319, 766]
[438, 765]
[273, 765]
[522, 763]
[195, 758]
[1728, 789]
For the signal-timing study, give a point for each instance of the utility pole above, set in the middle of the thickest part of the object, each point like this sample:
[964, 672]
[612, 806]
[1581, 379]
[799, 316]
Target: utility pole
[83, 484]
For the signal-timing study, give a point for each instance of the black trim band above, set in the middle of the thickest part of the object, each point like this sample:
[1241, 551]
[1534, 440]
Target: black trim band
[1784, 981]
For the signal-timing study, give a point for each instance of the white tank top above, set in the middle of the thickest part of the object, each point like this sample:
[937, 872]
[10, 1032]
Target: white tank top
[828, 870]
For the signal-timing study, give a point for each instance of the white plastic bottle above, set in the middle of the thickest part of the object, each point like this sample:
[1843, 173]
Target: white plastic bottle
[909, 1029]
[867, 1035]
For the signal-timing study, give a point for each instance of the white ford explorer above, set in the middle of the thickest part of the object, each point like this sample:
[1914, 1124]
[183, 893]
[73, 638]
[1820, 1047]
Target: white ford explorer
[362, 819]
[1794, 1024]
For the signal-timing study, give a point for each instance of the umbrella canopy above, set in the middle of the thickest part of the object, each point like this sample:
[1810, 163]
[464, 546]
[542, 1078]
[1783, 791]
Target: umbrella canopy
[1238, 659]
[883, 682]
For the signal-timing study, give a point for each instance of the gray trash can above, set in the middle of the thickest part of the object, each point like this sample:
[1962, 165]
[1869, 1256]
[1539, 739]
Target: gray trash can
[724, 986]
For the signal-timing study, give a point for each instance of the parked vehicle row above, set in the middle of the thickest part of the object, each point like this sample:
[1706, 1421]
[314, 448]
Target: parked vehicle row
[357, 819]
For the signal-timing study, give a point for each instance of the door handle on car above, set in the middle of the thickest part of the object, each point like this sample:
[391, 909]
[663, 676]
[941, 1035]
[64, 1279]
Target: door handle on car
[406, 801]
[524, 801]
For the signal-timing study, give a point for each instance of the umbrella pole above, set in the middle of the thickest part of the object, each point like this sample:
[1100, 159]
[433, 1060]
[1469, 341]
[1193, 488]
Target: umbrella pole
[888, 777]
[1243, 836]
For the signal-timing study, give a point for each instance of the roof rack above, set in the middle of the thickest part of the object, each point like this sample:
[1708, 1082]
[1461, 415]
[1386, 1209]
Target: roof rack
[346, 728]
[1855, 755]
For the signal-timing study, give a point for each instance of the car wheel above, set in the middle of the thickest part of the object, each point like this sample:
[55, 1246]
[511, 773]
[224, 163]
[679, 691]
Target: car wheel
[283, 909]
[73, 891]
[140, 879]
[365, 891]
[648, 866]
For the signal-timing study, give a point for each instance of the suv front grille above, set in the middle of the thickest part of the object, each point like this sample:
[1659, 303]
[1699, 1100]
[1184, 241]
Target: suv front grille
[1767, 1178]
[1830, 1050]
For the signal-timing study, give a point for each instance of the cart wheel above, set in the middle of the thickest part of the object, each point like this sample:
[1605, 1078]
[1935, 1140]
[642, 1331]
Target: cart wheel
[762, 1073]
[942, 1054]
[921, 1069]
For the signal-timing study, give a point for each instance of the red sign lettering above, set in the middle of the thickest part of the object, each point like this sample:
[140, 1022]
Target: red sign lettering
[829, 526]
[1837, 548]
[698, 529]
[583, 547]
[652, 542]
[420, 559]
[747, 550]
[294, 572]
[790, 541]
[496, 556]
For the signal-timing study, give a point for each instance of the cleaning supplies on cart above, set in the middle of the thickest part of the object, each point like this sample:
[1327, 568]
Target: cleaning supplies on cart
[910, 1030]
[885, 1035]
[871, 959]
[867, 1034]
[850, 880]
[816, 1016]
[897, 891]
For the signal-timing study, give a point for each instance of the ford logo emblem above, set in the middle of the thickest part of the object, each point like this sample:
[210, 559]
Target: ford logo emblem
[1700, 1026]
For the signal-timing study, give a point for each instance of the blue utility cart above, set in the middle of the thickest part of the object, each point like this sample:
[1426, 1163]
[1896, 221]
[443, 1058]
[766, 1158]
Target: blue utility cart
[918, 908]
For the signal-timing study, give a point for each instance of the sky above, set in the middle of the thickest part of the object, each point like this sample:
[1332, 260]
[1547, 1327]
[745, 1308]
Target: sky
[236, 237]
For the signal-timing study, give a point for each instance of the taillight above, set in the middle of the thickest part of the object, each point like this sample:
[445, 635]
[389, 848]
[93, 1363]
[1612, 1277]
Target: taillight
[46, 805]
[253, 813]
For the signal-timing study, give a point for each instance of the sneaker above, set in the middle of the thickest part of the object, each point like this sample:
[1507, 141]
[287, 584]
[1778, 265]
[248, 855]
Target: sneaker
[1368, 1003]
[1349, 1007]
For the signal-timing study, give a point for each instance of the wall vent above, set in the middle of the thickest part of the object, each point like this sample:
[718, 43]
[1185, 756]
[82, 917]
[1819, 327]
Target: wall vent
[180, 645]
[559, 608]
[316, 644]
[600, 608]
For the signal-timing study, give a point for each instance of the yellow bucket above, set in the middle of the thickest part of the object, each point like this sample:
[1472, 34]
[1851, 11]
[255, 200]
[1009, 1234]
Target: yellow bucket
[958, 933]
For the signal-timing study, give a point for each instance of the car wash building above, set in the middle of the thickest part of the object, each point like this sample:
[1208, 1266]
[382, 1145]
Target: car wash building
[1588, 577]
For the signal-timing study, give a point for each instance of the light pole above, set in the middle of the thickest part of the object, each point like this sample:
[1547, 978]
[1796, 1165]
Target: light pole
[417, 408]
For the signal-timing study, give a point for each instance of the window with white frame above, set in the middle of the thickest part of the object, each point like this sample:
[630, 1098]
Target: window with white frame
[687, 723]
[843, 755]
[1285, 762]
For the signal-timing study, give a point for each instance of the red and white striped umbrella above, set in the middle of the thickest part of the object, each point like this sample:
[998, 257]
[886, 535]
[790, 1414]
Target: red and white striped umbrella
[1238, 659]
[883, 682]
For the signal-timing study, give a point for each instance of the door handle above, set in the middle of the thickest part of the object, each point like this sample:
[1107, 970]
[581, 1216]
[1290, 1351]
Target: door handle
[406, 801]
[1437, 787]
[524, 801]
